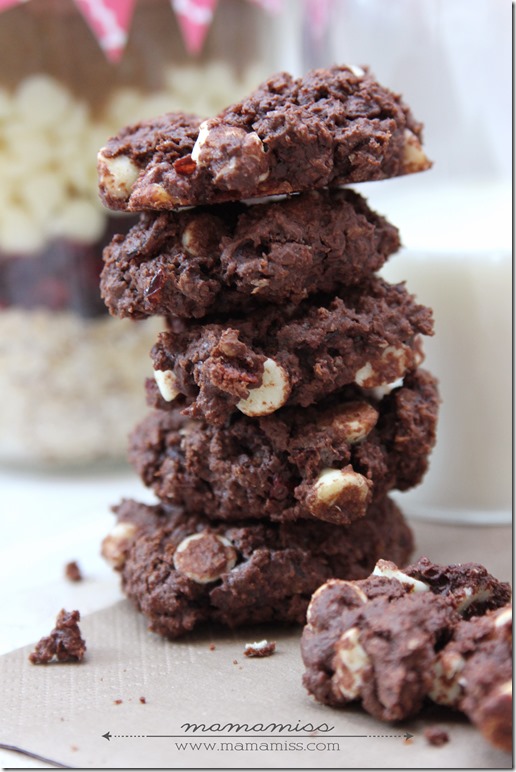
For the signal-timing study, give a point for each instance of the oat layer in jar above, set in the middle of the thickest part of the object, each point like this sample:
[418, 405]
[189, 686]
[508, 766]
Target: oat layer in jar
[71, 74]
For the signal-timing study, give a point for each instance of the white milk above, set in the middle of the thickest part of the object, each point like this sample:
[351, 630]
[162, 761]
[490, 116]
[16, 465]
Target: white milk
[457, 260]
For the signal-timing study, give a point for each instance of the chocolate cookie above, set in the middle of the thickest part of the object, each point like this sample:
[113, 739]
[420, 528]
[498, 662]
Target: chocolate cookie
[327, 461]
[293, 355]
[235, 258]
[331, 127]
[473, 673]
[182, 570]
[379, 640]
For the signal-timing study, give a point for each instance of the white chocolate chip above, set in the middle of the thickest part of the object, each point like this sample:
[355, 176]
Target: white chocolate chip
[351, 665]
[43, 195]
[357, 71]
[257, 645]
[204, 557]
[271, 395]
[156, 195]
[41, 101]
[19, 232]
[330, 485]
[202, 136]
[353, 421]
[419, 354]
[379, 392]
[113, 546]
[503, 618]
[254, 139]
[189, 239]
[167, 384]
[391, 571]
[414, 158]
[80, 220]
[395, 359]
[360, 596]
[447, 686]
[223, 147]
[505, 690]
[364, 374]
[466, 597]
[333, 483]
[118, 175]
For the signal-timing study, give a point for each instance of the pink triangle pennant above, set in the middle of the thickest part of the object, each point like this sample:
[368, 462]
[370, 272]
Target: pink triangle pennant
[194, 17]
[271, 6]
[110, 21]
[5, 4]
[319, 14]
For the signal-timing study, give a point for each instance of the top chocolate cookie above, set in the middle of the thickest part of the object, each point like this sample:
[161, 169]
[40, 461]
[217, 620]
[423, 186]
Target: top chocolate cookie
[332, 127]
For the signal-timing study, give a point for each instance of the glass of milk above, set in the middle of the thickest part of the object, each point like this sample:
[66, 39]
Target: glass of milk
[457, 260]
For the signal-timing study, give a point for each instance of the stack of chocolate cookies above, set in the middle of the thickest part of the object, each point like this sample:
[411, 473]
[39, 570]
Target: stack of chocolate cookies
[287, 399]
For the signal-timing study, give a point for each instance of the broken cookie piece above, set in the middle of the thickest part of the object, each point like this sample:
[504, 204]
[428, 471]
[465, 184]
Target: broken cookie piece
[332, 127]
[73, 572]
[260, 649]
[64, 644]
[473, 673]
[436, 736]
[403, 636]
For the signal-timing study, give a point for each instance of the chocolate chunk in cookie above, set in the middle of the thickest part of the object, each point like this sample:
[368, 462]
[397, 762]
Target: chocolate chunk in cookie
[380, 640]
[233, 257]
[327, 461]
[293, 355]
[332, 127]
[242, 572]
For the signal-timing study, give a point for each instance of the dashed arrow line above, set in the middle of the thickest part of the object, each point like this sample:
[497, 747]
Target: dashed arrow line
[108, 736]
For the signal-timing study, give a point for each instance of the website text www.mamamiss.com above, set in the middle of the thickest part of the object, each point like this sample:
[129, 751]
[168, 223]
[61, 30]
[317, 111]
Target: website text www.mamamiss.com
[258, 745]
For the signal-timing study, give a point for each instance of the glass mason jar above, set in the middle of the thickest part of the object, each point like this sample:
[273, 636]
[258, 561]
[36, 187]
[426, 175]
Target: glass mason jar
[71, 377]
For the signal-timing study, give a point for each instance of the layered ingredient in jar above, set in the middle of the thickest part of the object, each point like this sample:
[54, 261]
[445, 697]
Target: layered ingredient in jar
[68, 369]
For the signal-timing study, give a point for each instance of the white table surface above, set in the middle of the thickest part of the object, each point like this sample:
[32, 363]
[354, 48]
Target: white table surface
[48, 520]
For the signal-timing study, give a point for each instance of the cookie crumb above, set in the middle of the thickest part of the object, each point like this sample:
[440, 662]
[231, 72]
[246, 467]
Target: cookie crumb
[73, 572]
[212, 647]
[436, 736]
[74, 748]
[143, 700]
[260, 649]
[235, 662]
[117, 702]
[64, 644]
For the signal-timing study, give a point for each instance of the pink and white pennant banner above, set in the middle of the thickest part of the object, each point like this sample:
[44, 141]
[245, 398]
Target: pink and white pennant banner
[5, 4]
[319, 14]
[110, 21]
[272, 6]
[194, 17]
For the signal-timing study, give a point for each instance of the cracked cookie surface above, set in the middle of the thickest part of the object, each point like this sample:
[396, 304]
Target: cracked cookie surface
[331, 127]
[398, 638]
